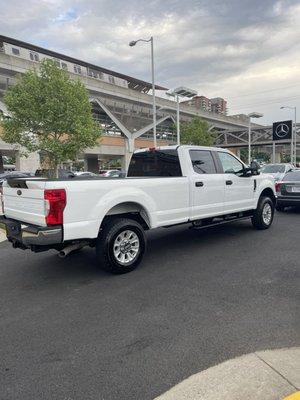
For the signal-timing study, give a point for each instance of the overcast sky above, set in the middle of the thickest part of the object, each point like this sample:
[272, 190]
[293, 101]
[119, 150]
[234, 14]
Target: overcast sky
[247, 51]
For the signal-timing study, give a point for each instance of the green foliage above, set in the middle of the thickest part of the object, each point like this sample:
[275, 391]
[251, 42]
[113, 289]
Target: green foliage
[196, 132]
[50, 113]
[255, 155]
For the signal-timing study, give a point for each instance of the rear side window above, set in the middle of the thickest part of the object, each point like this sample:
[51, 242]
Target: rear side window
[203, 162]
[155, 163]
[292, 176]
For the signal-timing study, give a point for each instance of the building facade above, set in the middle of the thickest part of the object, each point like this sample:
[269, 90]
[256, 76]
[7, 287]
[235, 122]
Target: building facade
[121, 103]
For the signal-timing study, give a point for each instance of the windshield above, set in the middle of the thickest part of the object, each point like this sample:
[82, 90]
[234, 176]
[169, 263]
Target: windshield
[273, 169]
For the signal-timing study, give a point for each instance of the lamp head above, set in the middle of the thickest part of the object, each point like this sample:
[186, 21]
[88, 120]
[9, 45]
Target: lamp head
[132, 43]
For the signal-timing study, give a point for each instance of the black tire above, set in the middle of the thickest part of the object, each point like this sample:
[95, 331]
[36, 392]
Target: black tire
[260, 220]
[280, 208]
[106, 245]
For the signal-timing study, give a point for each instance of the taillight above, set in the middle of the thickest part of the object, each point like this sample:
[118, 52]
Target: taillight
[278, 187]
[55, 201]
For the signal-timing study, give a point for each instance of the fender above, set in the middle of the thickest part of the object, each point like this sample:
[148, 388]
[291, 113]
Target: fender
[265, 182]
[124, 195]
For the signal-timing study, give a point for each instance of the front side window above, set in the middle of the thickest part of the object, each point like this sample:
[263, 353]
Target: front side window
[203, 162]
[155, 163]
[230, 164]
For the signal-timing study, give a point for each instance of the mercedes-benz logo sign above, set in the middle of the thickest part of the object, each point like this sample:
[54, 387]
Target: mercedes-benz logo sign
[19, 192]
[282, 130]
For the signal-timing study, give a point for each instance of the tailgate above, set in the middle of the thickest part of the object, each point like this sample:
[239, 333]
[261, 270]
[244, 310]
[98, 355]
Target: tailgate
[24, 201]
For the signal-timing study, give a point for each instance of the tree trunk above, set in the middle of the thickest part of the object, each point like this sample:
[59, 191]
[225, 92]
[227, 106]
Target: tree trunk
[56, 170]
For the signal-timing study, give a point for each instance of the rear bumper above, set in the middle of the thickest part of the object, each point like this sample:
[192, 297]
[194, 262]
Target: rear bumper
[288, 201]
[30, 235]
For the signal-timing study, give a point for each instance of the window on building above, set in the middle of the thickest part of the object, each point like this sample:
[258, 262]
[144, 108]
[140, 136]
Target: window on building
[155, 163]
[15, 51]
[64, 66]
[203, 162]
[230, 164]
[77, 69]
[34, 56]
[111, 79]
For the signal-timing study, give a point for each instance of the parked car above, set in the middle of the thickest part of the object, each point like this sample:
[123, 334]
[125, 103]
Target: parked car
[13, 174]
[164, 187]
[288, 190]
[85, 173]
[48, 173]
[114, 173]
[278, 171]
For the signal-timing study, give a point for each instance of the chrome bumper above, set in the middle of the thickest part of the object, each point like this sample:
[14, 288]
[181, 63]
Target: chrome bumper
[30, 235]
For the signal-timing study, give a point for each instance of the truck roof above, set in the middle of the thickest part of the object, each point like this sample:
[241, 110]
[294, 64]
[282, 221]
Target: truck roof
[186, 146]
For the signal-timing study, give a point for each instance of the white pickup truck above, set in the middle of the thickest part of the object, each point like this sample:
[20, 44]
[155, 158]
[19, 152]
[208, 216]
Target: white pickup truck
[165, 186]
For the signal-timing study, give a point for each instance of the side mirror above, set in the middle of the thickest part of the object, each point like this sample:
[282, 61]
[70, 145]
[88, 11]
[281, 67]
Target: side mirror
[255, 167]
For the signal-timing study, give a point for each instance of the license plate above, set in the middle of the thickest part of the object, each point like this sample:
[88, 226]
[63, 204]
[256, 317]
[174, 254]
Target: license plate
[296, 189]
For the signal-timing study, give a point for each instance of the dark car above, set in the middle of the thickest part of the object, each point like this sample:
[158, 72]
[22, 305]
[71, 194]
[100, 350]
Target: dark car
[288, 191]
[49, 173]
[13, 174]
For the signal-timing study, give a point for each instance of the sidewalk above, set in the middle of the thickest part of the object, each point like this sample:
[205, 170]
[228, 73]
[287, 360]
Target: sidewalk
[265, 375]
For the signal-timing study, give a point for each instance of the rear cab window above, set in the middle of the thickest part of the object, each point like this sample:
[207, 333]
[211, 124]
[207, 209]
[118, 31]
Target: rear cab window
[155, 163]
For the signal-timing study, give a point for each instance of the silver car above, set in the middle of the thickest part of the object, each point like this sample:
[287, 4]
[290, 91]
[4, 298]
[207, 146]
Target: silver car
[278, 171]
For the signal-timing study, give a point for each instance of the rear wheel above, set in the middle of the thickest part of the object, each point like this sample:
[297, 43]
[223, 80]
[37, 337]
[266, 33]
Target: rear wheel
[121, 245]
[264, 214]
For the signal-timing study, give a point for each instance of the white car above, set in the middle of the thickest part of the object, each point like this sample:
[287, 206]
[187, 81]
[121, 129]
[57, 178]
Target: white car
[278, 171]
[164, 187]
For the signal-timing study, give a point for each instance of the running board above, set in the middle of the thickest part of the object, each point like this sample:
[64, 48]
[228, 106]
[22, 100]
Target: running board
[200, 224]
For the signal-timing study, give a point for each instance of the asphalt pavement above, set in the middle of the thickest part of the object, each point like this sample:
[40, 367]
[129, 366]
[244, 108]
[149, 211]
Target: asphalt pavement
[70, 331]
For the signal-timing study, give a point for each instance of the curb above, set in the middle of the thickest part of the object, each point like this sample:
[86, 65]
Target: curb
[266, 375]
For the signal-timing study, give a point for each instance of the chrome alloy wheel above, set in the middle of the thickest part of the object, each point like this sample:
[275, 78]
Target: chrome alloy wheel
[267, 214]
[126, 247]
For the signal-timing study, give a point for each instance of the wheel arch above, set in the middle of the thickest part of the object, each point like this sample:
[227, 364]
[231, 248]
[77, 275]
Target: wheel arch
[268, 192]
[129, 209]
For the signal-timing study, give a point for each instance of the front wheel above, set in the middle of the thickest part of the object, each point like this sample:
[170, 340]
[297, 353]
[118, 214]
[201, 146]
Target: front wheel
[120, 245]
[264, 214]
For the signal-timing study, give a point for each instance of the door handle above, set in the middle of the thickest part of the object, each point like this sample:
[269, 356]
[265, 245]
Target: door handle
[229, 182]
[199, 184]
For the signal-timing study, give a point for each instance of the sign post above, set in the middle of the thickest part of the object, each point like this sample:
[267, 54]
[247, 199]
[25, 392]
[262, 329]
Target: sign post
[283, 130]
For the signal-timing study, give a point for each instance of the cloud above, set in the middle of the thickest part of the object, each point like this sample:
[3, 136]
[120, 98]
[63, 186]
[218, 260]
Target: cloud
[239, 49]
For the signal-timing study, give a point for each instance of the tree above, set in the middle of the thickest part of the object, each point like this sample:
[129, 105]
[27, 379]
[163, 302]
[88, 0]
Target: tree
[50, 112]
[196, 132]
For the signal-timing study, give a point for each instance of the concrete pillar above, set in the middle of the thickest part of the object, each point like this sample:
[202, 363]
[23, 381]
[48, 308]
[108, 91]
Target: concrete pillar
[129, 149]
[92, 163]
[27, 164]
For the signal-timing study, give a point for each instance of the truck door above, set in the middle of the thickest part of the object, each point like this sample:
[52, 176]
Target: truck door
[239, 190]
[207, 185]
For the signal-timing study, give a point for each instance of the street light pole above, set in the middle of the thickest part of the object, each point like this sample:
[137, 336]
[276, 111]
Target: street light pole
[181, 91]
[131, 44]
[251, 115]
[178, 120]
